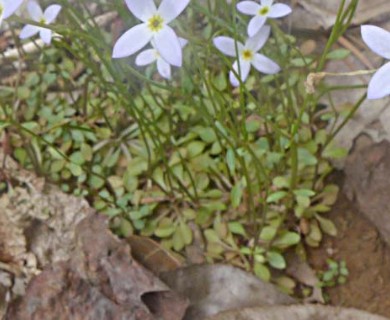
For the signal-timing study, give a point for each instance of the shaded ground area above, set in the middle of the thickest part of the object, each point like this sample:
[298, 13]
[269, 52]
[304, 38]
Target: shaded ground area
[367, 257]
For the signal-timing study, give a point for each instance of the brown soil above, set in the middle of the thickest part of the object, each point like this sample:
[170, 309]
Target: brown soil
[367, 257]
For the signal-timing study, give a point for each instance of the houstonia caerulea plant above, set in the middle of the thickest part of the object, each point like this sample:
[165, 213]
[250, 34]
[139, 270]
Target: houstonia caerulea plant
[261, 11]
[39, 16]
[8, 7]
[154, 27]
[149, 56]
[378, 40]
[247, 55]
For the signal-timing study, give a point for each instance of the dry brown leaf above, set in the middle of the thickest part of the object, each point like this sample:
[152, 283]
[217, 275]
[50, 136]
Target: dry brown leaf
[152, 256]
[100, 281]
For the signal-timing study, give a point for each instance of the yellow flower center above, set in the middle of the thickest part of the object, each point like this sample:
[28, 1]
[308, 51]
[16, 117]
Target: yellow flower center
[42, 21]
[264, 11]
[1, 10]
[155, 23]
[247, 55]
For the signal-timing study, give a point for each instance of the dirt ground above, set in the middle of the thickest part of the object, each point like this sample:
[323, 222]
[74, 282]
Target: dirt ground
[367, 257]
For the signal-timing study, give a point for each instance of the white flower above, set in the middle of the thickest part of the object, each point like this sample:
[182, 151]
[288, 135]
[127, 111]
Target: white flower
[378, 40]
[266, 9]
[37, 15]
[154, 27]
[247, 55]
[149, 56]
[8, 7]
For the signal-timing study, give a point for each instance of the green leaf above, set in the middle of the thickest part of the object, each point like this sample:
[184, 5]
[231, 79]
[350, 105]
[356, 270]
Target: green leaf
[276, 196]
[231, 161]
[287, 239]
[23, 92]
[281, 182]
[252, 126]
[268, 233]
[57, 165]
[301, 62]
[216, 148]
[329, 194]
[338, 54]
[220, 82]
[306, 158]
[211, 235]
[262, 272]
[77, 158]
[136, 166]
[207, 135]
[203, 216]
[86, 151]
[165, 228]
[303, 202]
[276, 260]
[236, 195]
[21, 155]
[326, 225]
[334, 152]
[286, 284]
[186, 233]
[304, 192]
[75, 169]
[177, 241]
[189, 214]
[96, 182]
[236, 228]
[30, 125]
[112, 159]
[195, 148]
[130, 182]
[126, 228]
[314, 237]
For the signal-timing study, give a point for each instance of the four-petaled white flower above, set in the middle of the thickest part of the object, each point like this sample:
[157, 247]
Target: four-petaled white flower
[154, 27]
[247, 55]
[8, 7]
[266, 9]
[149, 56]
[38, 15]
[378, 40]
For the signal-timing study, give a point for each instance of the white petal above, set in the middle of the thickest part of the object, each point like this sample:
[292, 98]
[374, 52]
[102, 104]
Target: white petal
[52, 12]
[245, 67]
[259, 39]
[10, 6]
[164, 69]
[183, 42]
[34, 10]
[132, 41]
[267, 3]
[255, 25]
[279, 10]
[264, 64]
[227, 46]
[168, 45]
[379, 85]
[142, 9]
[146, 57]
[377, 39]
[248, 7]
[45, 35]
[170, 9]
[28, 31]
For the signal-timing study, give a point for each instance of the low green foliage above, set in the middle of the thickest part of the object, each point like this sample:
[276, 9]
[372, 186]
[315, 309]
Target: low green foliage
[241, 170]
[336, 273]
